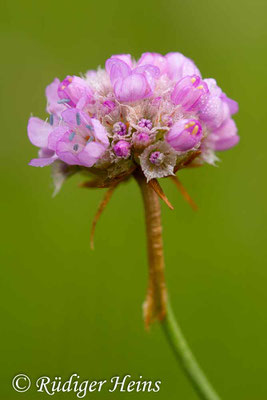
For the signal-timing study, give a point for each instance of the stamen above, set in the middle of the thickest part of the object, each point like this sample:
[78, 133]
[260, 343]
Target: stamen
[71, 136]
[192, 123]
[63, 101]
[51, 119]
[195, 130]
[63, 87]
[193, 80]
[78, 119]
[200, 87]
[75, 147]
[91, 138]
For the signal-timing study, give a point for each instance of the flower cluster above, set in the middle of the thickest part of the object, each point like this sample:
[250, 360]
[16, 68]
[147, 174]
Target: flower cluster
[157, 113]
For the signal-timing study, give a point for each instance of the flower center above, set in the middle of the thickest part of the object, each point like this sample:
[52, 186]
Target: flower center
[156, 158]
[145, 123]
[120, 128]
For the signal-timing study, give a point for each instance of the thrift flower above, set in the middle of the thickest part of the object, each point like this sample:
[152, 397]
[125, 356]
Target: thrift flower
[184, 134]
[148, 119]
[157, 114]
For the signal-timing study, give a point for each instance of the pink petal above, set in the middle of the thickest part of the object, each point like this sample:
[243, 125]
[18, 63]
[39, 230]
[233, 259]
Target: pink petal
[51, 91]
[52, 98]
[180, 66]
[225, 136]
[213, 112]
[65, 148]
[67, 157]
[55, 136]
[42, 162]
[117, 69]
[91, 154]
[38, 131]
[70, 117]
[100, 132]
[127, 58]
[151, 73]
[155, 59]
[232, 104]
[132, 88]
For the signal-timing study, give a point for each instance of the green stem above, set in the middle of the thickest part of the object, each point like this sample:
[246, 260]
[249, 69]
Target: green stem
[186, 358]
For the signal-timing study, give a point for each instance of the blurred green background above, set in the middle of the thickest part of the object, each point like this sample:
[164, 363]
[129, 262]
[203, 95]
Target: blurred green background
[66, 309]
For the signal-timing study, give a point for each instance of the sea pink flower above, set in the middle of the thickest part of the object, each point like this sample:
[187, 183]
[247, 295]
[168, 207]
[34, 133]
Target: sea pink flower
[146, 118]
[191, 93]
[83, 140]
[184, 134]
[150, 114]
[79, 140]
[74, 91]
[130, 84]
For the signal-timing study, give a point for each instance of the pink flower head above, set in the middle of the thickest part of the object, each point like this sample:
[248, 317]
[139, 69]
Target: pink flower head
[184, 134]
[150, 114]
[129, 84]
[190, 93]
[75, 92]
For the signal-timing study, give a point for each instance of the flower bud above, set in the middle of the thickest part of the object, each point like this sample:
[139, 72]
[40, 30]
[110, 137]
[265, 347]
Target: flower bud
[120, 128]
[122, 149]
[141, 139]
[145, 123]
[156, 158]
[108, 106]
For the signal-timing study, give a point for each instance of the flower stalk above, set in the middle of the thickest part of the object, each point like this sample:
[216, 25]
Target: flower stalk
[156, 304]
